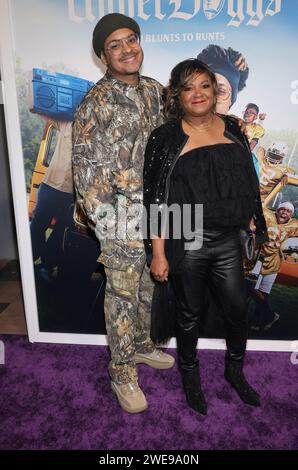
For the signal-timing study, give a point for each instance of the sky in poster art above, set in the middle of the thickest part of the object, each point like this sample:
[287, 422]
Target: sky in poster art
[60, 31]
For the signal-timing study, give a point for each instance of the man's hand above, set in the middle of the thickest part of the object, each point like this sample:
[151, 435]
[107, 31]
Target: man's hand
[262, 116]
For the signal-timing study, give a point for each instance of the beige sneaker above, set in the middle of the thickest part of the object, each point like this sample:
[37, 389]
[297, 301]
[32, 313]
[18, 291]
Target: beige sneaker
[130, 397]
[156, 359]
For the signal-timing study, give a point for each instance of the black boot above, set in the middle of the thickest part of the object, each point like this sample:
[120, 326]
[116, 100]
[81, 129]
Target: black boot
[193, 392]
[234, 375]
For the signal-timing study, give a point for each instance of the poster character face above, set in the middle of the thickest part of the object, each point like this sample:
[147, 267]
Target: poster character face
[250, 115]
[123, 54]
[224, 97]
[276, 153]
[283, 215]
[197, 97]
[231, 71]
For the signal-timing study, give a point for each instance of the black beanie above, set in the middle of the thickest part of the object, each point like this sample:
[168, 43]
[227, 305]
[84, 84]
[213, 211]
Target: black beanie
[107, 25]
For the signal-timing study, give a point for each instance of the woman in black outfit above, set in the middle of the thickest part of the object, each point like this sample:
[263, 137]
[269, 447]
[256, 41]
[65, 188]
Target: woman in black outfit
[199, 157]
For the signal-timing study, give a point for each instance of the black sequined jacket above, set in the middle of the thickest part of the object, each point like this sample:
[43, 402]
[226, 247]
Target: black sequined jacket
[162, 152]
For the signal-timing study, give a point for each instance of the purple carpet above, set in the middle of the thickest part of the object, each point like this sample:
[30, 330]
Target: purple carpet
[59, 397]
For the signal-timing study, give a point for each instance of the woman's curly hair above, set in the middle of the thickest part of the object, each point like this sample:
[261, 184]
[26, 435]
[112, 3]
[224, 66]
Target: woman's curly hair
[178, 79]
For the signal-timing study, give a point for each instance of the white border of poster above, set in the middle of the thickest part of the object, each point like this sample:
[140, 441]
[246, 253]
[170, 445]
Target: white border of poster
[21, 211]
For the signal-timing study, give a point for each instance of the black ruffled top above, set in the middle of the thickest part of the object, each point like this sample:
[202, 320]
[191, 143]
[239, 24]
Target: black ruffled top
[218, 177]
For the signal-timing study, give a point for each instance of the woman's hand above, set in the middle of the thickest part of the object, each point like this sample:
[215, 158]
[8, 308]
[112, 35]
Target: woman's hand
[159, 268]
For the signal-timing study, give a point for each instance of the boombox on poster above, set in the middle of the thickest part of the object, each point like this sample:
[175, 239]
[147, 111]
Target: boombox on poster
[56, 94]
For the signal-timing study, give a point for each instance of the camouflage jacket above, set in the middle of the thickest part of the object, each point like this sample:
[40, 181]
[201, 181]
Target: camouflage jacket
[110, 133]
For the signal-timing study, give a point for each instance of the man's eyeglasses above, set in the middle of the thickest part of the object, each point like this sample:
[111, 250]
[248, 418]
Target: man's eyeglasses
[115, 47]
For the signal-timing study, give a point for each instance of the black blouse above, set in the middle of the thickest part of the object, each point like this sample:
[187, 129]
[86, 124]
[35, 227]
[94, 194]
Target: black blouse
[218, 177]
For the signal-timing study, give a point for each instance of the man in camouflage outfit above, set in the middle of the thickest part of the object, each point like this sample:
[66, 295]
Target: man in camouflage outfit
[110, 133]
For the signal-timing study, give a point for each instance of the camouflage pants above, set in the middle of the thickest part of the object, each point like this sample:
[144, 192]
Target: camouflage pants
[128, 317]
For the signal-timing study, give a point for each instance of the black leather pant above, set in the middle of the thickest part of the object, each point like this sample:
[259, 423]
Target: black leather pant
[218, 265]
